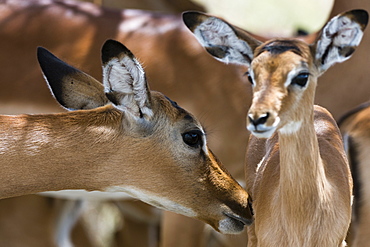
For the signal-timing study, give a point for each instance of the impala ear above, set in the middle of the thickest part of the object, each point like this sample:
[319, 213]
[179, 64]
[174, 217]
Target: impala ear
[124, 80]
[339, 38]
[225, 42]
[72, 88]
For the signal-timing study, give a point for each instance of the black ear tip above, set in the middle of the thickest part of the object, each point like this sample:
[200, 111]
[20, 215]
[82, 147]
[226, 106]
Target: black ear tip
[188, 14]
[191, 19]
[48, 61]
[361, 16]
[40, 50]
[113, 48]
[43, 55]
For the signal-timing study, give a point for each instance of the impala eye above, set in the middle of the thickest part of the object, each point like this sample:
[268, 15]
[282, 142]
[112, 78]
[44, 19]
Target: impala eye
[301, 79]
[193, 138]
[250, 78]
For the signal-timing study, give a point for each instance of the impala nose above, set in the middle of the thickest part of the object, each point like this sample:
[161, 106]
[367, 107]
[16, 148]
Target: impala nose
[259, 120]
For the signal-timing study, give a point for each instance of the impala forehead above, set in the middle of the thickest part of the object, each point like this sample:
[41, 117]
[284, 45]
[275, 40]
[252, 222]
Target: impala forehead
[181, 114]
[277, 69]
[281, 53]
[171, 108]
[279, 46]
[181, 117]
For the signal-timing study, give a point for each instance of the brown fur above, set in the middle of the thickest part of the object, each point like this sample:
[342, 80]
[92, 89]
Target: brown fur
[40, 148]
[310, 180]
[355, 128]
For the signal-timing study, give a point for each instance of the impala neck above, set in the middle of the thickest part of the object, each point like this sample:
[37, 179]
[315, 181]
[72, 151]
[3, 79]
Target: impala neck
[302, 175]
[56, 152]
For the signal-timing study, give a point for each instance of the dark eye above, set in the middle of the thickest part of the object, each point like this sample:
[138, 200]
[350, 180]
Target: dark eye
[193, 138]
[249, 78]
[301, 79]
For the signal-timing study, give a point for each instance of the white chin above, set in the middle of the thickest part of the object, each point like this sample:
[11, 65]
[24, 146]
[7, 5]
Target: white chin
[230, 226]
[264, 134]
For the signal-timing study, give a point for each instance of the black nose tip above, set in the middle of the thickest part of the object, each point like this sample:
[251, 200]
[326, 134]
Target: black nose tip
[261, 120]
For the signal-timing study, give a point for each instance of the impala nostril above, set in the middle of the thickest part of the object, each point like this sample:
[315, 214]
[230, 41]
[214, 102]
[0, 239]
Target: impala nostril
[250, 118]
[261, 120]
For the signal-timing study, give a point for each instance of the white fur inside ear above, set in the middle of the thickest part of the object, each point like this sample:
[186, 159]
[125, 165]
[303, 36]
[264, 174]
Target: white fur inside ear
[125, 78]
[339, 33]
[117, 76]
[214, 32]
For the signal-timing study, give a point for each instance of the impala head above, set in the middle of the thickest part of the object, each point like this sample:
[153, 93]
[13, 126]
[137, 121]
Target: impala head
[169, 164]
[283, 72]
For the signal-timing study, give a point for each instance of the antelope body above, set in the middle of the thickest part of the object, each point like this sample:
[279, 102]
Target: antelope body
[355, 126]
[140, 142]
[297, 172]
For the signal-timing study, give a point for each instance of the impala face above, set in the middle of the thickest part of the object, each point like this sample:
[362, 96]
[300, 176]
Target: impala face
[280, 73]
[281, 69]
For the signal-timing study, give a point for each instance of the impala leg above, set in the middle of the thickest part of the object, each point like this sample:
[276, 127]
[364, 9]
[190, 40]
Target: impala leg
[68, 212]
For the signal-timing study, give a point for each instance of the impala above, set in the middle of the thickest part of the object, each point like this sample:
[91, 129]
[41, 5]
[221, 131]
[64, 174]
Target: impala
[296, 169]
[140, 143]
[214, 91]
[355, 126]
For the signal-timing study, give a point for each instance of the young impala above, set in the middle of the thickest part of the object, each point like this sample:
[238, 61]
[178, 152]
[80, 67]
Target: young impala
[355, 126]
[297, 172]
[140, 143]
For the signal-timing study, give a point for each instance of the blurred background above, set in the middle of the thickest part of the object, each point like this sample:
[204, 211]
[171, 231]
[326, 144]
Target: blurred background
[262, 17]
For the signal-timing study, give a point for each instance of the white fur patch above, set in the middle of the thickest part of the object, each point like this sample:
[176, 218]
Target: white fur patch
[154, 200]
[290, 128]
[260, 163]
[86, 195]
[117, 76]
[205, 148]
[227, 226]
[293, 73]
